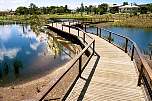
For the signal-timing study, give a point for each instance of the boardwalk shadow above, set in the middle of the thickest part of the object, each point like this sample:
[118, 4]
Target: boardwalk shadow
[87, 81]
[81, 96]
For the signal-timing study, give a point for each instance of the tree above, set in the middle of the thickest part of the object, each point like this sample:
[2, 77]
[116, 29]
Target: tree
[89, 8]
[33, 9]
[143, 10]
[94, 9]
[86, 9]
[17, 65]
[150, 7]
[125, 3]
[66, 9]
[82, 9]
[22, 10]
[103, 8]
[60, 9]
[43, 10]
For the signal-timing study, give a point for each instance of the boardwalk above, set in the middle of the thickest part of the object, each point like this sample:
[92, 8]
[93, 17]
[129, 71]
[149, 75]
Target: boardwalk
[109, 76]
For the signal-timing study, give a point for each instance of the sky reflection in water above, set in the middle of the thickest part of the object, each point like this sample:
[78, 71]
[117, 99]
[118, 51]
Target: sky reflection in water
[20, 47]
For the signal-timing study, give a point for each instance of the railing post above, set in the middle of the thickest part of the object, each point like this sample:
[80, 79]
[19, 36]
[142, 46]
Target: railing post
[132, 54]
[69, 23]
[109, 37]
[97, 31]
[126, 46]
[56, 24]
[93, 46]
[78, 31]
[80, 65]
[62, 27]
[140, 75]
[150, 54]
[84, 37]
[52, 24]
[69, 29]
[85, 27]
[100, 32]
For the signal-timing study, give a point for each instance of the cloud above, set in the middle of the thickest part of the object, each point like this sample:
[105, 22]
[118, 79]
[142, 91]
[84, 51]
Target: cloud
[5, 33]
[11, 53]
[11, 4]
[34, 46]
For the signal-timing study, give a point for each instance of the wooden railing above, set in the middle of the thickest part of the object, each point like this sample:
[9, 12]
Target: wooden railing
[130, 47]
[77, 59]
[126, 44]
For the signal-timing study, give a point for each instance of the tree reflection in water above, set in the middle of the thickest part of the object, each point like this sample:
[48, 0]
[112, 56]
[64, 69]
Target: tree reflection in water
[17, 65]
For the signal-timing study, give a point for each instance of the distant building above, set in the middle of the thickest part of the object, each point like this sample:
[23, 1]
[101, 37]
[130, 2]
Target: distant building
[114, 8]
[129, 8]
[3, 13]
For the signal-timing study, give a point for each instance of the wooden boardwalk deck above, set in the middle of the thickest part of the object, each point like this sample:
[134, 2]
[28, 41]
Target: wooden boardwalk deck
[109, 76]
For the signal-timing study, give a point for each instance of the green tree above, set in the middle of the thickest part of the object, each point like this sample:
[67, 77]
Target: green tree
[60, 9]
[125, 3]
[17, 65]
[103, 8]
[93, 9]
[143, 9]
[90, 8]
[33, 9]
[86, 9]
[66, 8]
[150, 7]
[82, 9]
[22, 10]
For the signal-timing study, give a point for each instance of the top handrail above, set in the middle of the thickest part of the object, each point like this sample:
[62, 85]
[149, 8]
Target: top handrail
[116, 34]
[79, 30]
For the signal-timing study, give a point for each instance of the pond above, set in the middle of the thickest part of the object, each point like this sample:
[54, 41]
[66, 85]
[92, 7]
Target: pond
[25, 55]
[143, 37]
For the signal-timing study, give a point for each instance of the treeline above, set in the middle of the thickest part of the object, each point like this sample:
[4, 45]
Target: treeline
[146, 8]
[33, 9]
[104, 8]
[91, 9]
[101, 9]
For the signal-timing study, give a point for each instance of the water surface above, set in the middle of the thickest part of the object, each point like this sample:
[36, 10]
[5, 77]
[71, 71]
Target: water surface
[143, 37]
[25, 55]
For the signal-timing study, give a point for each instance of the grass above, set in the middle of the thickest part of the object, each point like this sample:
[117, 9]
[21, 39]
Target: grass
[126, 20]
[26, 17]
[134, 21]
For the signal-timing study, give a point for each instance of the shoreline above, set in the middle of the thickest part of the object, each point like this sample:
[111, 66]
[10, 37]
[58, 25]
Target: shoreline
[24, 80]
[29, 89]
[119, 24]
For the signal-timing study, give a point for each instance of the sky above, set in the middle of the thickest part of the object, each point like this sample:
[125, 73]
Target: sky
[72, 4]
